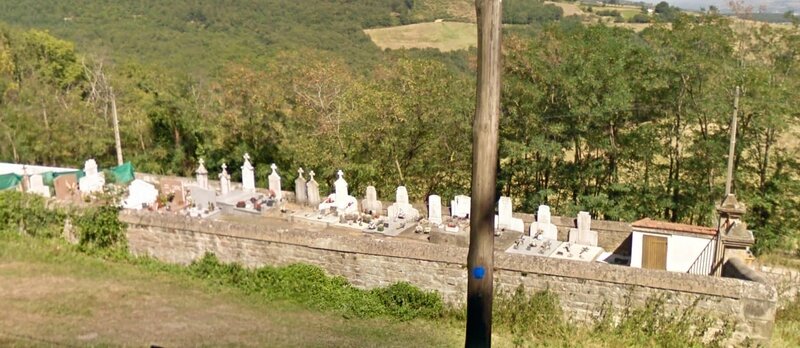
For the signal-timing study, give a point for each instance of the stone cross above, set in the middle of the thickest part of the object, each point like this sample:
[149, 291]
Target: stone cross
[300, 188]
[275, 183]
[202, 175]
[435, 209]
[340, 188]
[313, 190]
[248, 175]
[224, 180]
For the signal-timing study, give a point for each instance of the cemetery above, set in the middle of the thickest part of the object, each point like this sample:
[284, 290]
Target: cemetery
[179, 219]
[642, 244]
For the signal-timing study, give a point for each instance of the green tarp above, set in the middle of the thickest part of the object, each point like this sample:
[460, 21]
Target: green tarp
[8, 181]
[122, 174]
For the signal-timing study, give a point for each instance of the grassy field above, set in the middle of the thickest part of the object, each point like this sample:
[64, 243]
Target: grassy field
[444, 36]
[53, 295]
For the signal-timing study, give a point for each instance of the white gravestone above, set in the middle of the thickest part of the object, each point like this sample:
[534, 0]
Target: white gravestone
[36, 185]
[543, 228]
[202, 175]
[435, 209]
[224, 180]
[583, 234]
[370, 203]
[505, 218]
[204, 200]
[300, 188]
[275, 183]
[248, 175]
[401, 209]
[460, 206]
[93, 181]
[312, 188]
[140, 195]
[344, 203]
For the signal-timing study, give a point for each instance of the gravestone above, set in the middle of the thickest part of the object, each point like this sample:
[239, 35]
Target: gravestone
[224, 180]
[312, 188]
[543, 228]
[435, 209]
[340, 199]
[204, 200]
[275, 183]
[248, 175]
[505, 218]
[66, 187]
[202, 175]
[460, 206]
[401, 208]
[93, 181]
[37, 186]
[173, 187]
[140, 195]
[371, 202]
[583, 234]
[300, 188]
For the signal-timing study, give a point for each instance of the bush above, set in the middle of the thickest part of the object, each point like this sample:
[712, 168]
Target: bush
[27, 213]
[640, 18]
[100, 228]
[310, 285]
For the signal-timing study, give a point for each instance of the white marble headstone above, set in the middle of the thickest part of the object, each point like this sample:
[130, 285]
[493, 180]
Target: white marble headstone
[36, 185]
[312, 188]
[401, 208]
[93, 181]
[224, 180]
[583, 234]
[505, 218]
[300, 188]
[543, 228]
[460, 206]
[371, 202]
[140, 195]
[435, 209]
[202, 175]
[248, 175]
[275, 182]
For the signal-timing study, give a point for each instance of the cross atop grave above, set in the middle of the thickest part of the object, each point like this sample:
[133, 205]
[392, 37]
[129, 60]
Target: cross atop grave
[312, 190]
[224, 180]
[311, 175]
[248, 175]
[340, 173]
[202, 175]
[300, 188]
[275, 183]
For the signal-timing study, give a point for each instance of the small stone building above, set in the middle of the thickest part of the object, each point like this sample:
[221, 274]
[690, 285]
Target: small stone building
[672, 246]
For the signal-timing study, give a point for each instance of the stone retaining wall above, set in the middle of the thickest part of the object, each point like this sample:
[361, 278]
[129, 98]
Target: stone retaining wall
[372, 260]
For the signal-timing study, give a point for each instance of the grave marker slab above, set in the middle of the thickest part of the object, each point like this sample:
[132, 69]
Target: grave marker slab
[66, 187]
[300, 188]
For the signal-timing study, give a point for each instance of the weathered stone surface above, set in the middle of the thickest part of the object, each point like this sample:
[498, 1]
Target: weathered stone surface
[372, 262]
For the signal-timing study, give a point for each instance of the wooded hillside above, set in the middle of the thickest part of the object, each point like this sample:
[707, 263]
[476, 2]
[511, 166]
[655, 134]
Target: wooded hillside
[619, 123]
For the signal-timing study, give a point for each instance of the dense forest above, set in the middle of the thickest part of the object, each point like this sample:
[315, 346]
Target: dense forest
[597, 118]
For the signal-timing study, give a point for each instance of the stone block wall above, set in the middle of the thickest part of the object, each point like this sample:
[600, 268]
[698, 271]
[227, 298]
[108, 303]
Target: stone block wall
[371, 260]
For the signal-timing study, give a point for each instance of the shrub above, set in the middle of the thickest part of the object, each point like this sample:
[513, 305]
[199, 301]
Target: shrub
[538, 316]
[310, 285]
[100, 228]
[27, 213]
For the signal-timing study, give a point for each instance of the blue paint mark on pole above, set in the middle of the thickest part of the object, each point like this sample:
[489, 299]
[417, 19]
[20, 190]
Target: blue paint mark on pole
[478, 272]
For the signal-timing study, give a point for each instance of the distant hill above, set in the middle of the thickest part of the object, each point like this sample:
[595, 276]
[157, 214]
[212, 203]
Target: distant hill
[199, 36]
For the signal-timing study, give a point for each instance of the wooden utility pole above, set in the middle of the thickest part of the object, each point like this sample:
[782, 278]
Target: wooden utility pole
[117, 141]
[480, 260]
[732, 149]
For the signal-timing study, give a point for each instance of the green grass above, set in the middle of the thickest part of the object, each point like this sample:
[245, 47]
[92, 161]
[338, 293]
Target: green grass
[50, 292]
[444, 36]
